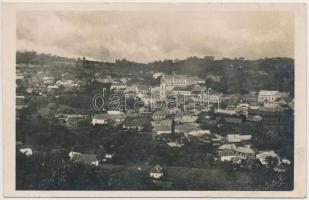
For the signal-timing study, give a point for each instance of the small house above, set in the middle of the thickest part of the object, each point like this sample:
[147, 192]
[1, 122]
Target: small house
[156, 172]
[135, 124]
[26, 150]
[160, 114]
[228, 152]
[262, 156]
[105, 118]
[236, 138]
[143, 89]
[72, 153]
[268, 95]
[89, 159]
[186, 119]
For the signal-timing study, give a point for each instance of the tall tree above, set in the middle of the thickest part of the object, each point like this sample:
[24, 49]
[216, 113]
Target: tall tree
[28, 57]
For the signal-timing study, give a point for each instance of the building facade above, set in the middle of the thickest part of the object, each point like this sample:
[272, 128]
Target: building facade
[268, 96]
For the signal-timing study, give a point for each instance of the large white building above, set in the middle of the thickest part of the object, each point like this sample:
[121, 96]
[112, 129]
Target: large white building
[268, 96]
[169, 82]
[181, 80]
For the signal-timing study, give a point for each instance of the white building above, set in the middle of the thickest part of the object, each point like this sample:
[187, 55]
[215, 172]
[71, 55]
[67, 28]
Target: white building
[263, 155]
[157, 75]
[105, 118]
[234, 138]
[118, 87]
[268, 95]
[72, 153]
[169, 82]
[26, 151]
[181, 80]
[156, 172]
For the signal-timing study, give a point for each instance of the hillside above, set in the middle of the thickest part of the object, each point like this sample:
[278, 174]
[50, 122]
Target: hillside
[226, 75]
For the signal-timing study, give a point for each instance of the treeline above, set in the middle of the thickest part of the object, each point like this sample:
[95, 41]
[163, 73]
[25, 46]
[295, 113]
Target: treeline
[226, 75]
[32, 57]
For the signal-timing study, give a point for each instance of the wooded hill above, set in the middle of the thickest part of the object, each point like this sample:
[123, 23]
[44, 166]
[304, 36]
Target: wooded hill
[236, 75]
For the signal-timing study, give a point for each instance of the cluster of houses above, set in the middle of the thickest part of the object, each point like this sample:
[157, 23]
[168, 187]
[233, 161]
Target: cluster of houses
[174, 127]
[237, 148]
[42, 84]
[169, 85]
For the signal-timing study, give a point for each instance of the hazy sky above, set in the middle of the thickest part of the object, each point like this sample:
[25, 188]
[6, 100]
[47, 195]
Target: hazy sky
[148, 36]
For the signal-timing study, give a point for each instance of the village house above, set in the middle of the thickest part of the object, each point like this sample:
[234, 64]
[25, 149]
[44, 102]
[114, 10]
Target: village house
[108, 117]
[229, 101]
[143, 89]
[156, 172]
[181, 80]
[72, 153]
[89, 159]
[251, 99]
[136, 123]
[180, 129]
[187, 127]
[118, 87]
[245, 152]
[109, 156]
[228, 116]
[175, 144]
[161, 129]
[70, 120]
[225, 112]
[286, 161]
[228, 152]
[242, 106]
[157, 75]
[160, 114]
[268, 95]
[163, 122]
[216, 139]
[262, 156]
[198, 133]
[185, 118]
[237, 138]
[26, 150]
[270, 115]
[67, 83]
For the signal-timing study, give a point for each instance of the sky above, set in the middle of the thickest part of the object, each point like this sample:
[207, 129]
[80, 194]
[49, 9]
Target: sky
[156, 35]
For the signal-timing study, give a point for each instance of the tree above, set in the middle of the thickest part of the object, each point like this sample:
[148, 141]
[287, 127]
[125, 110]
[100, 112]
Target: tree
[28, 57]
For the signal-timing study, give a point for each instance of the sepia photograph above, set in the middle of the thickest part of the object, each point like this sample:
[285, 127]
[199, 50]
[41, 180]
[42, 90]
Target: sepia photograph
[157, 98]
